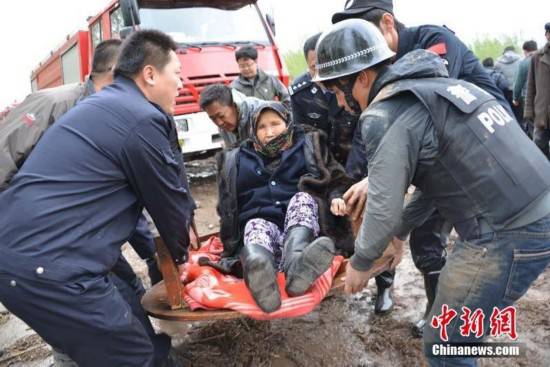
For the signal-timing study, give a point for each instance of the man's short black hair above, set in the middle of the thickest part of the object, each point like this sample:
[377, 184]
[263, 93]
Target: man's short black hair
[310, 43]
[246, 52]
[375, 16]
[144, 47]
[105, 56]
[547, 27]
[509, 48]
[488, 62]
[220, 93]
[530, 46]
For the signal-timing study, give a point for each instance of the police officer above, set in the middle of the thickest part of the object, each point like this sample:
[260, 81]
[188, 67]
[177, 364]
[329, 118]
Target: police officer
[77, 199]
[44, 107]
[427, 242]
[314, 106]
[467, 155]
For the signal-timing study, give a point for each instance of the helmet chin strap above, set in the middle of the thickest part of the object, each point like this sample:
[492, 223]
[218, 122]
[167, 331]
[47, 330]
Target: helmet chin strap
[348, 95]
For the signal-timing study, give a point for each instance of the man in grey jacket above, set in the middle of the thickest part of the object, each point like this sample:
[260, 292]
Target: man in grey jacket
[468, 157]
[230, 110]
[537, 99]
[508, 64]
[520, 85]
[254, 82]
[23, 126]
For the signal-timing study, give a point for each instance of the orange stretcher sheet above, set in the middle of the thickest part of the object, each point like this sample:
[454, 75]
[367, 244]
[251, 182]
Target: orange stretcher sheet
[206, 288]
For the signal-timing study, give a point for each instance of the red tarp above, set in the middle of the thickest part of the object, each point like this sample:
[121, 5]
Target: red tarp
[208, 289]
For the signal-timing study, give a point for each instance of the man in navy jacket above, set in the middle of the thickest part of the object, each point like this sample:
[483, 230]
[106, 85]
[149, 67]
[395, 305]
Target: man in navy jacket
[77, 199]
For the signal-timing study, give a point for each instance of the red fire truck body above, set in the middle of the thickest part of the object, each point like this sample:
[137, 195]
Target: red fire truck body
[208, 33]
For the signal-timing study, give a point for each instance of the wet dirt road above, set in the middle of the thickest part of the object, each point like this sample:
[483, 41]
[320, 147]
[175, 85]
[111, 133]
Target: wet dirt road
[341, 332]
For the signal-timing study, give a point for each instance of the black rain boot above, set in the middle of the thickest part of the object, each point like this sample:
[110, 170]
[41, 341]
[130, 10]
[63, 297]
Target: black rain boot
[260, 276]
[305, 259]
[384, 300]
[430, 285]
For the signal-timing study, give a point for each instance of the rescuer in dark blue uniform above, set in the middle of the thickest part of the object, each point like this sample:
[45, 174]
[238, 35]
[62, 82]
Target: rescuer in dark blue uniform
[427, 242]
[312, 105]
[47, 106]
[77, 199]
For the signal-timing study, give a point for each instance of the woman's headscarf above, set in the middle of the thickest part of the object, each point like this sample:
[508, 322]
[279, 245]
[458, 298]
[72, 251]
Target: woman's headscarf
[280, 142]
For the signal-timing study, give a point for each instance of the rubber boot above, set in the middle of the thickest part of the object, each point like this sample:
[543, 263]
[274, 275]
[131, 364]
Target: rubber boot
[384, 301]
[305, 259]
[260, 276]
[430, 285]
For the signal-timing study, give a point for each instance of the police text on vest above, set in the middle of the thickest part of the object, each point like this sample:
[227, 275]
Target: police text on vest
[494, 115]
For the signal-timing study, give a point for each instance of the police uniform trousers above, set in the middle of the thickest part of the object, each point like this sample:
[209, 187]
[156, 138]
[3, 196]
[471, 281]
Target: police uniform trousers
[96, 320]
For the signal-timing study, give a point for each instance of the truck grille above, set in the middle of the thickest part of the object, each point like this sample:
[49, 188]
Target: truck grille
[188, 98]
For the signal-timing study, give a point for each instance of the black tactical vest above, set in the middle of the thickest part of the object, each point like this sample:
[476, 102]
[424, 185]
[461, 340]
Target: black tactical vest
[486, 166]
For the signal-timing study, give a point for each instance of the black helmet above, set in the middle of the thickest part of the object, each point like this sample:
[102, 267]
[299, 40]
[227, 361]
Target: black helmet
[355, 8]
[348, 47]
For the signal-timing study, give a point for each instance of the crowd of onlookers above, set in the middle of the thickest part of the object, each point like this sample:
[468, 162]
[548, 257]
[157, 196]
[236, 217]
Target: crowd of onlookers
[525, 81]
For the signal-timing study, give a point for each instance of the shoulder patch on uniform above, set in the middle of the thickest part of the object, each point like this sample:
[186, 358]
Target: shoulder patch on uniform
[461, 92]
[28, 118]
[290, 90]
[439, 48]
[298, 85]
[466, 97]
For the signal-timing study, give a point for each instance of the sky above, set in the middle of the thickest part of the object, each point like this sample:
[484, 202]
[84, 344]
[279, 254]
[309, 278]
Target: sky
[30, 29]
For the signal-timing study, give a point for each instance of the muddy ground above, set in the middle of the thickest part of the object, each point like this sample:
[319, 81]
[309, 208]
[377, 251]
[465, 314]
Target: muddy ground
[342, 331]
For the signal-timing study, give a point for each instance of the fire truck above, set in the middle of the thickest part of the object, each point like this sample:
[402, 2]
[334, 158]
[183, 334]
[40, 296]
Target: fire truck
[207, 31]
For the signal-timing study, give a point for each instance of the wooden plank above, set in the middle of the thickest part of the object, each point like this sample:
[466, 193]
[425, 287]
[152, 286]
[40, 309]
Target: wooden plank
[155, 302]
[172, 285]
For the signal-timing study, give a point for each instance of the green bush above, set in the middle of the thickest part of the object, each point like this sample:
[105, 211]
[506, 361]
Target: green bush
[295, 63]
[489, 46]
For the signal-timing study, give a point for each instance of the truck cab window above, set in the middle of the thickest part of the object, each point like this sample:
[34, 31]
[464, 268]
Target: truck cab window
[205, 25]
[117, 22]
[97, 33]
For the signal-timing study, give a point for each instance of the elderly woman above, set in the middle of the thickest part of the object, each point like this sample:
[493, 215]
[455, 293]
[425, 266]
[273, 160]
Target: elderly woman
[275, 190]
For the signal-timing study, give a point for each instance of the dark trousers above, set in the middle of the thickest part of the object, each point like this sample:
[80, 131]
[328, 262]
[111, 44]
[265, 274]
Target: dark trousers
[142, 239]
[427, 244]
[132, 292]
[143, 243]
[96, 320]
[541, 137]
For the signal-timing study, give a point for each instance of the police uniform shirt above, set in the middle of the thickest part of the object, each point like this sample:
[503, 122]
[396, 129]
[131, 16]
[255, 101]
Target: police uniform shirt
[310, 104]
[78, 196]
[460, 61]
